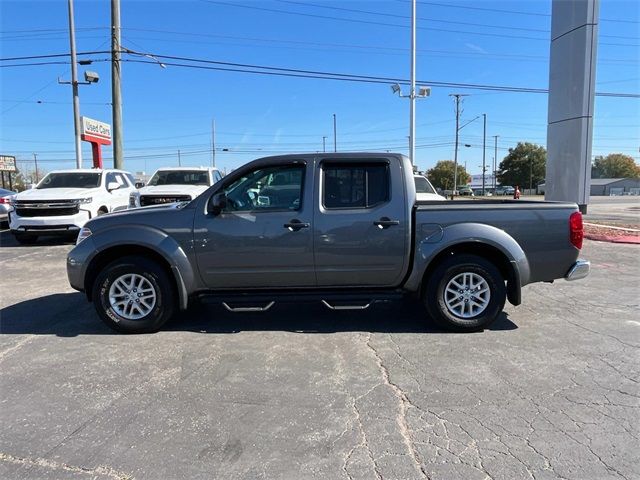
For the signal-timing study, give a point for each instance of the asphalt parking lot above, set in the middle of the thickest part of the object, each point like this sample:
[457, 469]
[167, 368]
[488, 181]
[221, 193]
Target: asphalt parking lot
[550, 391]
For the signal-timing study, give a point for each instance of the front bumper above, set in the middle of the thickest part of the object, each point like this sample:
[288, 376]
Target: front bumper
[53, 225]
[579, 270]
[77, 261]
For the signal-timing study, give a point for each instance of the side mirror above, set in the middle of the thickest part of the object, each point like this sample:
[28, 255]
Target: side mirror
[111, 186]
[139, 184]
[217, 203]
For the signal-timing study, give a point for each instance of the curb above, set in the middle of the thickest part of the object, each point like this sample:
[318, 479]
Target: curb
[628, 239]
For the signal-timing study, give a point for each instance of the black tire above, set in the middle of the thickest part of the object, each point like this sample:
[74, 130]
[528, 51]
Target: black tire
[434, 293]
[25, 239]
[155, 275]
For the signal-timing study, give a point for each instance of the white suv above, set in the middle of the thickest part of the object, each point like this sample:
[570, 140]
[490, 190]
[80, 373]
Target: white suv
[174, 184]
[65, 200]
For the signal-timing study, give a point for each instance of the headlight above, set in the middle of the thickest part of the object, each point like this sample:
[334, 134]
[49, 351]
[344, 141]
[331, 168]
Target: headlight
[134, 200]
[84, 233]
[82, 201]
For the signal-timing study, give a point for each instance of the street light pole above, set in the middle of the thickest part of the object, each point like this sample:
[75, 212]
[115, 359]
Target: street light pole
[74, 85]
[412, 91]
[455, 156]
[335, 138]
[495, 160]
[484, 150]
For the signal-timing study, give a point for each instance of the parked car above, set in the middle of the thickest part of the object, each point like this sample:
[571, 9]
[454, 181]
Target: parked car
[342, 229]
[505, 190]
[466, 192]
[6, 198]
[174, 184]
[64, 200]
[424, 189]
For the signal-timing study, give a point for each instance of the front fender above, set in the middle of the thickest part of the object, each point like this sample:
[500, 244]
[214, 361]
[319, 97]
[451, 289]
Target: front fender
[158, 241]
[438, 240]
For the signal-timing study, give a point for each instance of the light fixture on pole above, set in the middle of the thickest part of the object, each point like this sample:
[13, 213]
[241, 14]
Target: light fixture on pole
[422, 93]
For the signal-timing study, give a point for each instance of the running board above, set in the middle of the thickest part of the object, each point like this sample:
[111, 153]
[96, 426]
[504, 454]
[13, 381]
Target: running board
[248, 309]
[346, 307]
[333, 299]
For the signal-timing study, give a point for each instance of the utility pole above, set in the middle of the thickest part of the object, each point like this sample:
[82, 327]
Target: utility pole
[74, 85]
[335, 133]
[484, 150]
[530, 175]
[116, 98]
[213, 143]
[412, 92]
[457, 97]
[324, 144]
[35, 159]
[179, 162]
[495, 161]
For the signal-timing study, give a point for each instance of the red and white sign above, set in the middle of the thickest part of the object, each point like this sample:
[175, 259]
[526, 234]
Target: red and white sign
[95, 131]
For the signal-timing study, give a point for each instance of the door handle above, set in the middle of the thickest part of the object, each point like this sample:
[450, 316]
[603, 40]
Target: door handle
[385, 222]
[295, 225]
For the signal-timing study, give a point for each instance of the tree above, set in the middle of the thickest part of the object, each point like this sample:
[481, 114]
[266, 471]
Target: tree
[441, 176]
[615, 165]
[24, 178]
[525, 164]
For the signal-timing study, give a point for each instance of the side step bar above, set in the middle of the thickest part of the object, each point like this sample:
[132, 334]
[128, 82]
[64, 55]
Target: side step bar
[262, 301]
[248, 309]
[347, 307]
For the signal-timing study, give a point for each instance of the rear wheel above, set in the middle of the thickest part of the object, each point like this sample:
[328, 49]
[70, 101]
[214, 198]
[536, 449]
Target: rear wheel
[25, 238]
[134, 295]
[465, 293]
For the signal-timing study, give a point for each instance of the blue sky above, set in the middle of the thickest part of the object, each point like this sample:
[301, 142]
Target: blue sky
[171, 109]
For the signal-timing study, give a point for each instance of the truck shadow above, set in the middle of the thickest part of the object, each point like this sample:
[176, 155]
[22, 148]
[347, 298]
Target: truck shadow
[8, 240]
[69, 315]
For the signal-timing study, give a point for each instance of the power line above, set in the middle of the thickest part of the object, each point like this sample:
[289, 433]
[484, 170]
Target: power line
[386, 24]
[280, 71]
[514, 12]
[299, 73]
[430, 19]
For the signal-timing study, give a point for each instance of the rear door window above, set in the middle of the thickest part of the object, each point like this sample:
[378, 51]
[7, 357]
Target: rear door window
[357, 185]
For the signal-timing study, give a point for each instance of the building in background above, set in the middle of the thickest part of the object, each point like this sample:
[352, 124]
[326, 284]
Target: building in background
[615, 186]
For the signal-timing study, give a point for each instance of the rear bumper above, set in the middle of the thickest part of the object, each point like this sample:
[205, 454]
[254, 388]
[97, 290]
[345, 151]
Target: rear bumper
[579, 270]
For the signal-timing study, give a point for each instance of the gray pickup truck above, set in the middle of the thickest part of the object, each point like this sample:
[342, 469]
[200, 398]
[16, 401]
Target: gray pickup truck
[341, 229]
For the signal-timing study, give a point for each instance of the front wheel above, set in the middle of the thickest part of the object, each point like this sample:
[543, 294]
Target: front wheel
[134, 295]
[465, 293]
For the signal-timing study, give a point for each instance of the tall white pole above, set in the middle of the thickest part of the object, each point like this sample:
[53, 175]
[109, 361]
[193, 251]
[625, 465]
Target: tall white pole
[412, 93]
[74, 86]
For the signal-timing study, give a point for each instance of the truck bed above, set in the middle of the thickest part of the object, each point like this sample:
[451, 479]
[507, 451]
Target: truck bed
[541, 228]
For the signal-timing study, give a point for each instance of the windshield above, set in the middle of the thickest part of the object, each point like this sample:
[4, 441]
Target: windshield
[71, 180]
[179, 177]
[423, 185]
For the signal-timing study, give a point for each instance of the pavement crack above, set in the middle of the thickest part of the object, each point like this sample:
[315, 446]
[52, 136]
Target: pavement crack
[52, 465]
[363, 444]
[404, 404]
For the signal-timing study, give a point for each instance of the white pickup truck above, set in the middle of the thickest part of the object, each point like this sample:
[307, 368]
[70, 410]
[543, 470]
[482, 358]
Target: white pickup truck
[65, 200]
[174, 184]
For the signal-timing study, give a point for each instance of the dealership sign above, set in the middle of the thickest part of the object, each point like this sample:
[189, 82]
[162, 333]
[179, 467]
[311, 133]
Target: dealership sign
[7, 163]
[95, 131]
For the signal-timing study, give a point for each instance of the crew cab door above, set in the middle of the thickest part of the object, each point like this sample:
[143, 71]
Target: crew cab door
[361, 223]
[263, 237]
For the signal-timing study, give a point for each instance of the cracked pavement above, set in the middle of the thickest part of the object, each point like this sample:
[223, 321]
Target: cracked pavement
[549, 392]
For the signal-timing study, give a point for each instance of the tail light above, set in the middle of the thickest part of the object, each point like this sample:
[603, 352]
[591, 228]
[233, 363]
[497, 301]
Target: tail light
[5, 200]
[576, 230]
